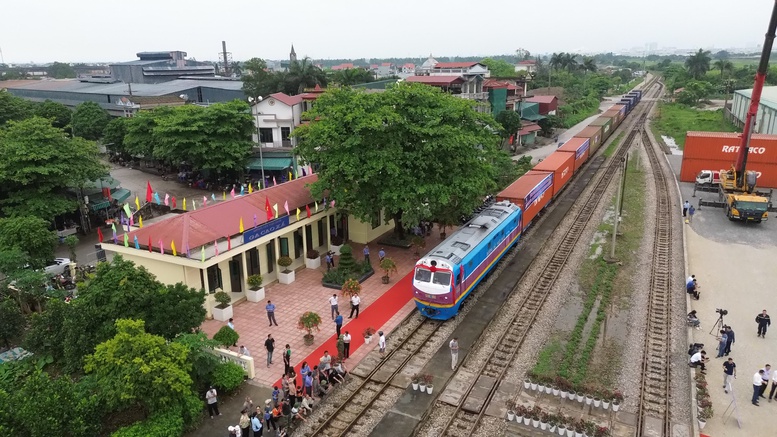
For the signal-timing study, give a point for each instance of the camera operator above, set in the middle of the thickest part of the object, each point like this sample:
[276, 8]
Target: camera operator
[731, 339]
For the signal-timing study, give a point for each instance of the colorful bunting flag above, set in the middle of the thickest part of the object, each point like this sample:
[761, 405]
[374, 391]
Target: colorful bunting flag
[132, 221]
[172, 246]
[113, 227]
[307, 209]
[202, 254]
[126, 240]
[242, 189]
[173, 199]
[188, 252]
[286, 207]
[242, 228]
[223, 195]
[232, 193]
[140, 220]
[184, 204]
[273, 181]
[303, 172]
[289, 175]
[167, 199]
[194, 205]
[204, 201]
[268, 208]
[150, 246]
[275, 208]
[137, 203]
[127, 209]
[137, 243]
[229, 244]
[213, 196]
[100, 235]
[250, 188]
[157, 199]
[216, 245]
[316, 206]
[161, 247]
[149, 191]
[297, 214]
[332, 204]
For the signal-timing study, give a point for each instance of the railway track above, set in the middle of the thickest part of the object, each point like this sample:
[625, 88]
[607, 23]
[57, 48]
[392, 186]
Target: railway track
[371, 389]
[656, 381]
[466, 418]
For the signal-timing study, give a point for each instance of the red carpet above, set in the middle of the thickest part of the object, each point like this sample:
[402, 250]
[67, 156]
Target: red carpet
[375, 315]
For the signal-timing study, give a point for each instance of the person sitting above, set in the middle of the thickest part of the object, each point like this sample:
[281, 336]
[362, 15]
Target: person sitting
[333, 377]
[307, 405]
[698, 359]
[693, 289]
[295, 414]
[693, 320]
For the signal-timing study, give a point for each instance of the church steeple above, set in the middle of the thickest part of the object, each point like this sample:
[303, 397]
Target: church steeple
[293, 54]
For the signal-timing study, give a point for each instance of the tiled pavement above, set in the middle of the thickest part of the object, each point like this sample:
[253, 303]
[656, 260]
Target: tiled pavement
[307, 294]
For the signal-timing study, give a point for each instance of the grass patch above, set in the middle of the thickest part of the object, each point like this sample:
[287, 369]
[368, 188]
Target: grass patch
[675, 120]
[614, 145]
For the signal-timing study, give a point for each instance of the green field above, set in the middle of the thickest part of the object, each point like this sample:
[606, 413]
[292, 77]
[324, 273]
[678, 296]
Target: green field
[675, 120]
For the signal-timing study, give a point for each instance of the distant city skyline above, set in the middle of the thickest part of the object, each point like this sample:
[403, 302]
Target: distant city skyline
[90, 31]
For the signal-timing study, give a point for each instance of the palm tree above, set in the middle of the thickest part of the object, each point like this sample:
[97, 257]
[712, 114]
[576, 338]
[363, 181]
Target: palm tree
[556, 60]
[698, 64]
[237, 68]
[723, 65]
[303, 74]
[569, 62]
[588, 64]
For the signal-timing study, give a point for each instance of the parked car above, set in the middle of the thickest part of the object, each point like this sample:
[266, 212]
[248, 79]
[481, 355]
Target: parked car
[58, 266]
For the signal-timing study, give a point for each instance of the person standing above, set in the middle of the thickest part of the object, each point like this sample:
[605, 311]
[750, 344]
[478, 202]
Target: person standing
[766, 376]
[729, 371]
[381, 254]
[366, 254]
[355, 300]
[231, 324]
[454, 345]
[333, 305]
[287, 369]
[328, 259]
[307, 382]
[269, 344]
[731, 339]
[757, 386]
[325, 362]
[338, 324]
[774, 387]
[244, 423]
[213, 402]
[346, 345]
[382, 343]
[270, 307]
[691, 212]
[722, 340]
[763, 322]
[256, 423]
[686, 205]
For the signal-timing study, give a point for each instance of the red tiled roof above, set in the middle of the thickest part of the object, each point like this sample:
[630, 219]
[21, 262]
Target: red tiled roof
[436, 80]
[386, 64]
[494, 83]
[527, 129]
[312, 94]
[222, 219]
[527, 62]
[287, 99]
[373, 65]
[411, 66]
[541, 99]
[455, 64]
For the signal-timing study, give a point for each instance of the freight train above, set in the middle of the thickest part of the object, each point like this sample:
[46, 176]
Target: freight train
[444, 277]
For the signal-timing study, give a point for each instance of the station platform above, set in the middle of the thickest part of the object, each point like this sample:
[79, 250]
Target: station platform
[383, 307]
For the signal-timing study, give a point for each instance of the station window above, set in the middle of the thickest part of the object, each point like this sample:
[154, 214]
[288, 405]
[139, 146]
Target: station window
[214, 279]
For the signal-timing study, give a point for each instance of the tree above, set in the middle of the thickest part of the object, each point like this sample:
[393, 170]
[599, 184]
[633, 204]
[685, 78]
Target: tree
[569, 62]
[350, 76]
[139, 138]
[226, 336]
[371, 147]
[135, 367]
[499, 68]
[257, 81]
[698, 64]
[60, 70]
[46, 335]
[89, 121]
[303, 74]
[588, 64]
[114, 133]
[37, 164]
[119, 289]
[13, 108]
[510, 122]
[723, 65]
[694, 92]
[30, 235]
[203, 362]
[57, 113]
[11, 321]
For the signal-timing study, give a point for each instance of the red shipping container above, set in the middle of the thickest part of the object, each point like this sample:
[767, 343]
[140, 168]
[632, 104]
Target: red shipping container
[594, 133]
[767, 173]
[724, 146]
[532, 192]
[562, 164]
[580, 147]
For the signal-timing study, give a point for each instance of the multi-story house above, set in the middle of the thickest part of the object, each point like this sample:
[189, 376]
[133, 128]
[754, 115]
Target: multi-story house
[276, 117]
[529, 66]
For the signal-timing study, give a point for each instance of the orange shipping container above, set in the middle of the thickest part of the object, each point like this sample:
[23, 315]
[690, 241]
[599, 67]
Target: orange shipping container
[767, 173]
[580, 147]
[532, 192]
[595, 134]
[562, 164]
[724, 146]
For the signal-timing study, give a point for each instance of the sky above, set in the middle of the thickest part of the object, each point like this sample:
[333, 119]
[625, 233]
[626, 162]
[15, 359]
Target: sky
[110, 30]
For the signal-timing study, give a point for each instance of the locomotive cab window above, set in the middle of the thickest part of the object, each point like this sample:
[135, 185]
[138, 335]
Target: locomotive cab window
[423, 275]
[442, 278]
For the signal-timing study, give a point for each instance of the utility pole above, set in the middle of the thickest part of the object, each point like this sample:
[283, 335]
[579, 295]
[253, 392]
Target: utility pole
[618, 206]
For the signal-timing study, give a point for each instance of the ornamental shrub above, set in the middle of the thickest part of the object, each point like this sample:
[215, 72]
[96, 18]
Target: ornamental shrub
[168, 423]
[226, 336]
[347, 263]
[228, 377]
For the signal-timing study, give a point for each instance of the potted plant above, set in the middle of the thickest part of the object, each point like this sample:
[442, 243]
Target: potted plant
[312, 259]
[336, 244]
[418, 244]
[580, 427]
[388, 266]
[552, 423]
[526, 383]
[286, 276]
[541, 385]
[602, 431]
[535, 416]
[428, 379]
[579, 396]
[308, 322]
[561, 427]
[520, 412]
[544, 417]
[351, 288]
[223, 310]
[255, 291]
[422, 384]
[704, 415]
[572, 394]
[510, 404]
[590, 428]
[368, 333]
[589, 399]
[563, 387]
[415, 380]
[617, 400]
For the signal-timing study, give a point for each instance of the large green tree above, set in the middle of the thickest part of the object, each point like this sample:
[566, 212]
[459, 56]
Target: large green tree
[135, 367]
[60, 70]
[350, 76]
[412, 150]
[139, 139]
[257, 81]
[58, 113]
[114, 133]
[303, 74]
[11, 321]
[30, 235]
[89, 121]
[698, 64]
[510, 122]
[499, 68]
[13, 108]
[37, 164]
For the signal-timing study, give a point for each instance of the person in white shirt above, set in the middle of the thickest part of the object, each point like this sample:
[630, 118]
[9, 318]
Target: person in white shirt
[346, 345]
[774, 386]
[326, 361]
[698, 359]
[213, 402]
[382, 343]
[454, 345]
[757, 382]
[765, 378]
[244, 351]
[355, 305]
[333, 305]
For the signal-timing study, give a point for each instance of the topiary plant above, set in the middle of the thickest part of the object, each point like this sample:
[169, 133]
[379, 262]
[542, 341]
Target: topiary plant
[308, 322]
[285, 262]
[418, 243]
[351, 287]
[223, 299]
[347, 263]
[313, 254]
[228, 377]
[255, 282]
[388, 266]
[226, 336]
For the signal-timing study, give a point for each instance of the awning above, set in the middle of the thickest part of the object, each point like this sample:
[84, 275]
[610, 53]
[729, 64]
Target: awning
[273, 163]
[119, 195]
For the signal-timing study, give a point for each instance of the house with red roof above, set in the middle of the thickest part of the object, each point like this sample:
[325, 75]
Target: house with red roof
[276, 117]
[528, 65]
[548, 104]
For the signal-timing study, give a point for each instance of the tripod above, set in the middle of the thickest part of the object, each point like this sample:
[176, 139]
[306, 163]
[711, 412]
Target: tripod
[718, 325]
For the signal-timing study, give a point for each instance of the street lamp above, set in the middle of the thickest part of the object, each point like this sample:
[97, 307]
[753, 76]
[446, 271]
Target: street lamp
[256, 101]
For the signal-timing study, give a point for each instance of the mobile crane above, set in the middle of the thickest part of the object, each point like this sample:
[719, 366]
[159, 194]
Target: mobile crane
[737, 185]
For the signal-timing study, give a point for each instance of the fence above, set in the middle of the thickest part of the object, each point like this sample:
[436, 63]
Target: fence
[247, 363]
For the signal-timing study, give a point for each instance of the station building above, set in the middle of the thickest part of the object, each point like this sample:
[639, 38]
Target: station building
[211, 250]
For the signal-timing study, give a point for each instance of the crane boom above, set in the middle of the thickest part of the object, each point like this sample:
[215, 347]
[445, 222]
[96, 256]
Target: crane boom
[755, 99]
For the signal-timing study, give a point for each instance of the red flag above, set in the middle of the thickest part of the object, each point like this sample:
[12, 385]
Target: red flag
[268, 209]
[100, 234]
[173, 202]
[307, 209]
[229, 243]
[150, 248]
[149, 192]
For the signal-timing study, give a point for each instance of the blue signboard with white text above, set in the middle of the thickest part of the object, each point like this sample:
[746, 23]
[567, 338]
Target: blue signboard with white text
[265, 229]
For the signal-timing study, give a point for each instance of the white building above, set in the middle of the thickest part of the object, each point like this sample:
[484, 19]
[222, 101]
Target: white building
[766, 117]
[529, 66]
[276, 117]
